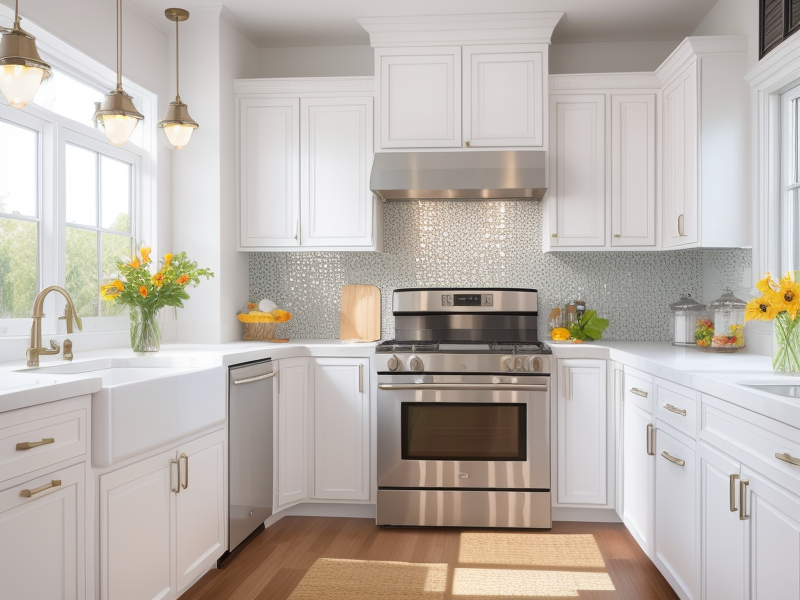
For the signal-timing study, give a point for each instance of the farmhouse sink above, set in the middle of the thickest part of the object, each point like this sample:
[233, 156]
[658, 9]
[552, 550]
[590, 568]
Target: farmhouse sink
[146, 402]
[787, 391]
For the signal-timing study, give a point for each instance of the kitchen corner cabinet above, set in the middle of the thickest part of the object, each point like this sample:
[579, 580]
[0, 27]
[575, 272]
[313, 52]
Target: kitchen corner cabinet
[341, 429]
[706, 150]
[603, 158]
[423, 91]
[162, 521]
[304, 153]
[292, 432]
[582, 433]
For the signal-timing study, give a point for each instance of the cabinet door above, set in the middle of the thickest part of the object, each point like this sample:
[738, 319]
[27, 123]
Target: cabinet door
[42, 553]
[637, 475]
[577, 169]
[633, 170]
[336, 155]
[420, 92]
[582, 449]
[503, 96]
[722, 536]
[200, 507]
[137, 534]
[293, 393]
[774, 539]
[676, 533]
[680, 160]
[341, 429]
[269, 172]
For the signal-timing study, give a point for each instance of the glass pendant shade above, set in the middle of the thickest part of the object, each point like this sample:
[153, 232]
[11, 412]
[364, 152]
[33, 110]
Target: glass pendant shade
[21, 68]
[178, 126]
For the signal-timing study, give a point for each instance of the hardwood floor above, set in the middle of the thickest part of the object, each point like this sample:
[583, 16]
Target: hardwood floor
[274, 562]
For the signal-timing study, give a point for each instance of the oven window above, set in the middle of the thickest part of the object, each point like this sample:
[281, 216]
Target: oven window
[463, 431]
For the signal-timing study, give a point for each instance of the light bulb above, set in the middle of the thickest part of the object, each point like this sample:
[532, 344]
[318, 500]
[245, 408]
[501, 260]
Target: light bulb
[20, 83]
[179, 134]
[119, 128]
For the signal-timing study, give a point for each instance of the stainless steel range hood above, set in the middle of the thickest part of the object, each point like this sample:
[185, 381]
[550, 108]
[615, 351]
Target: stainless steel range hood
[467, 175]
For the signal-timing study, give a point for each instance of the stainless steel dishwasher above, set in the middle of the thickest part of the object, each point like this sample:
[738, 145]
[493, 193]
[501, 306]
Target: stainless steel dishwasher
[249, 449]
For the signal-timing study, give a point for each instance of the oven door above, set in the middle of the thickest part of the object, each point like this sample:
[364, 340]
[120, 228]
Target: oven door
[463, 432]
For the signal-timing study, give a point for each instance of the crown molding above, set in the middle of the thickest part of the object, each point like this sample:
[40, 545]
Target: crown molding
[695, 47]
[586, 81]
[302, 85]
[461, 30]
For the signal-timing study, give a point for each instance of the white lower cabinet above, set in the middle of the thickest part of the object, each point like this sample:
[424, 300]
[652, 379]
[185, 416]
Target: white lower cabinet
[162, 521]
[676, 535]
[582, 432]
[341, 429]
[43, 533]
[291, 435]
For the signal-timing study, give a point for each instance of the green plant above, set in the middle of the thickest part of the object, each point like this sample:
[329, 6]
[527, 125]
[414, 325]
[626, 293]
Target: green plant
[588, 327]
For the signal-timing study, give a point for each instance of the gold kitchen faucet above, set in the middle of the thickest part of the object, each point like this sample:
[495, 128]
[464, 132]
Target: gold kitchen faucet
[35, 349]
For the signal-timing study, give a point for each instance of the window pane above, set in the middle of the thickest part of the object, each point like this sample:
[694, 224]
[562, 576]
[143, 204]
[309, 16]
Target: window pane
[114, 247]
[81, 169]
[68, 97]
[19, 159]
[81, 271]
[115, 194]
[18, 267]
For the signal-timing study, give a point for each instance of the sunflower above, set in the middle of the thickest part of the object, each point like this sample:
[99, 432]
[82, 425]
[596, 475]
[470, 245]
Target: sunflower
[767, 285]
[788, 298]
[760, 309]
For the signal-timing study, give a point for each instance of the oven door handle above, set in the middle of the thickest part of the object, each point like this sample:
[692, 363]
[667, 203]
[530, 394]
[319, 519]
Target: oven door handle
[498, 387]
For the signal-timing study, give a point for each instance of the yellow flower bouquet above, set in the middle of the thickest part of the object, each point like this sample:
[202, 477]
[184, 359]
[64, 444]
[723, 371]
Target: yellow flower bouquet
[146, 292]
[780, 302]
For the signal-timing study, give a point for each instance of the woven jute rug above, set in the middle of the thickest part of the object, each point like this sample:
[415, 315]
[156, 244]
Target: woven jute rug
[336, 579]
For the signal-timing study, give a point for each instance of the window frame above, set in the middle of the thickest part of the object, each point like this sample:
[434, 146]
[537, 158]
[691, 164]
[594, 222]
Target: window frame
[55, 130]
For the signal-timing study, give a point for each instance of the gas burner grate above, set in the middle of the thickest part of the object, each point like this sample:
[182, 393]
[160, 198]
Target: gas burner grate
[404, 346]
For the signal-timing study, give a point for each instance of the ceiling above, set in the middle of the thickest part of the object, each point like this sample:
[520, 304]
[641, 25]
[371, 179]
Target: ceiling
[272, 24]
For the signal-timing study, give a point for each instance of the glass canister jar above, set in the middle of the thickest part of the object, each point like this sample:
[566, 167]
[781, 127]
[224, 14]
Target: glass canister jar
[685, 313]
[728, 315]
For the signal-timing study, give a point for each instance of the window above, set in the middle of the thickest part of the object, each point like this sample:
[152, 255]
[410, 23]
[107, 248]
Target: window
[70, 202]
[789, 209]
[777, 20]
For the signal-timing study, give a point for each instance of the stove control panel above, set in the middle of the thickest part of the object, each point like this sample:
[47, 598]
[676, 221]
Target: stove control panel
[463, 363]
[393, 363]
[522, 364]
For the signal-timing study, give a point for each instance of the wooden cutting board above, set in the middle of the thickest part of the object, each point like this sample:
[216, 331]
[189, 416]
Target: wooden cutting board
[360, 316]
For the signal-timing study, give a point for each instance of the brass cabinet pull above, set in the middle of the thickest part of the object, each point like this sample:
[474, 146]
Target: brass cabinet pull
[177, 488]
[616, 235]
[743, 516]
[553, 235]
[786, 457]
[639, 392]
[676, 410]
[673, 459]
[680, 226]
[251, 379]
[734, 477]
[361, 378]
[34, 491]
[467, 143]
[186, 478]
[650, 441]
[29, 445]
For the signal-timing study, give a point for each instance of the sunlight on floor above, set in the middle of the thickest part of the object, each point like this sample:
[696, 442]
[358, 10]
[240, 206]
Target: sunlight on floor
[530, 550]
[484, 584]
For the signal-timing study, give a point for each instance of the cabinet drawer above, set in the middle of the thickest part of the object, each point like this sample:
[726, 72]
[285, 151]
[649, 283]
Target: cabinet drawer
[676, 405]
[38, 437]
[639, 389]
[754, 440]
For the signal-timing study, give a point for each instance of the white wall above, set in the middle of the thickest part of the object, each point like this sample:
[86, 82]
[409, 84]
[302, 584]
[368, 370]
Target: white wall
[733, 17]
[318, 61]
[609, 57]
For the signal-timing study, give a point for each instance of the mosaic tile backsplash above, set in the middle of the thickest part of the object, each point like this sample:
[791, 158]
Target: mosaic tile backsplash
[493, 244]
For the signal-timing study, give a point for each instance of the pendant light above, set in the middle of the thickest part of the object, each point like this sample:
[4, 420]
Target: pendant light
[178, 125]
[117, 112]
[22, 70]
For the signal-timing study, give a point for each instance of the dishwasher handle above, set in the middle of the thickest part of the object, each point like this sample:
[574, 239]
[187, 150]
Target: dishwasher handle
[252, 379]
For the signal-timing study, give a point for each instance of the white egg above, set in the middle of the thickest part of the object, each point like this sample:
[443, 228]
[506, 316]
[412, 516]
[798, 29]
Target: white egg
[267, 305]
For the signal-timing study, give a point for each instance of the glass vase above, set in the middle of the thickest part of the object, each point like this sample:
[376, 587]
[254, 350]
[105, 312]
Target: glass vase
[145, 332]
[786, 344]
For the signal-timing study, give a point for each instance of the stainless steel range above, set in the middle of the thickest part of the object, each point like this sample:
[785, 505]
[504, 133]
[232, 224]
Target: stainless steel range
[463, 411]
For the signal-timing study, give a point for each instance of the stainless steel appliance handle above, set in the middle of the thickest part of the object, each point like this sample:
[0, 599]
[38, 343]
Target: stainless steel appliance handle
[534, 387]
[251, 379]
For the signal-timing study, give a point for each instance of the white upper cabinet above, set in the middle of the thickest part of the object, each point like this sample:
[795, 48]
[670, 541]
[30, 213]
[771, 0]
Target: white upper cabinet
[706, 158]
[304, 156]
[462, 81]
[420, 95]
[603, 162]
[503, 96]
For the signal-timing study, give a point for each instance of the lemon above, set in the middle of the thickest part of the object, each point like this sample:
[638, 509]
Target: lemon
[559, 334]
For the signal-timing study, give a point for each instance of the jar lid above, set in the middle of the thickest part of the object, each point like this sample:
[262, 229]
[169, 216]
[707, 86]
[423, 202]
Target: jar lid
[728, 301]
[687, 303]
